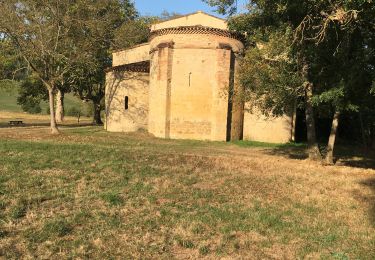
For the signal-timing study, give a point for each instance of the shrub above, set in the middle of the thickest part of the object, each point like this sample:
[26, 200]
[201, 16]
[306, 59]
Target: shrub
[31, 106]
[74, 111]
[89, 110]
[30, 94]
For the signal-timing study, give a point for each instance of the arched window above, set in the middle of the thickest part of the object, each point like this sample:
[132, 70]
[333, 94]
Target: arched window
[126, 102]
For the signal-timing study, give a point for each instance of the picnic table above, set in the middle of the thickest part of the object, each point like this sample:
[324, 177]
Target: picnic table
[15, 122]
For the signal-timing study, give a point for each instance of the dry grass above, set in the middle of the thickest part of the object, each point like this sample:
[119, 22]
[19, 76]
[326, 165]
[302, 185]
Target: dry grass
[92, 194]
[37, 119]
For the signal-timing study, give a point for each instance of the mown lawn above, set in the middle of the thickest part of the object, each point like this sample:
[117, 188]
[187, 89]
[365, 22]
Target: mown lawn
[92, 194]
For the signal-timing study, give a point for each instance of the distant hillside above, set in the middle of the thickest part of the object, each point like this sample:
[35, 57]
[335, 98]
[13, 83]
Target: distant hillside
[8, 102]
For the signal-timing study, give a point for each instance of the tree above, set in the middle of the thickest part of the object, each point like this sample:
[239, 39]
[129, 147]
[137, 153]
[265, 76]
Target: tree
[30, 94]
[59, 38]
[104, 31]
[319, 31]
[133, 32]
[12, 66]
[41, 32]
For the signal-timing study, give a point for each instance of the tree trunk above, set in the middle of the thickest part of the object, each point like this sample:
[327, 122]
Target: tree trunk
[313, 148]
[54, 129]
[60, 106]
[97, 117]
[332, 138]
[363, 132]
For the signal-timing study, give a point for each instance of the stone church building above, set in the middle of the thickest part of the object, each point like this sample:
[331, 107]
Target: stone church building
[182, 84]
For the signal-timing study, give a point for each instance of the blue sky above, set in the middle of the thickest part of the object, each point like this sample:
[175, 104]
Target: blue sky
[156, 7]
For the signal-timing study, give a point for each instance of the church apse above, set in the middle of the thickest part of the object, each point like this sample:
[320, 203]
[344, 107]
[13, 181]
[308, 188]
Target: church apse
[181, 84]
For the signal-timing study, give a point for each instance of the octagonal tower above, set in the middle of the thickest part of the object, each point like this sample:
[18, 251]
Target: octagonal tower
[193, 60]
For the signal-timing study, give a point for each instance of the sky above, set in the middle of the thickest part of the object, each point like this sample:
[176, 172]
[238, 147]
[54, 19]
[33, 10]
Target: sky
[156, 7]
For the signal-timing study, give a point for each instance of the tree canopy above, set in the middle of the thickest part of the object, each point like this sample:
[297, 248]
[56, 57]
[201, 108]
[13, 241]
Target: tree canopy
[318, 53]
[60, 40]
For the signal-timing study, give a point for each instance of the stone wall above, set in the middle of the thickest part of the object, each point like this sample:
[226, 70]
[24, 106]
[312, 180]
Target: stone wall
[134, 86]
[160, 87]
[189, 83]
[192, 93]
[135, 54]
[272, 130]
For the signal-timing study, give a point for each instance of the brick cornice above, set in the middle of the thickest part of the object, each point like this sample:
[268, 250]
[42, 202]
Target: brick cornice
[197, 30]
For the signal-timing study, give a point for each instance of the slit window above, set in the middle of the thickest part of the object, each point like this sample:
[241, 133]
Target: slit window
[126, 102]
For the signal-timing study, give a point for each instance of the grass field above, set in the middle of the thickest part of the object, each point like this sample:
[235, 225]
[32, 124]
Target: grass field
[8, 101]
[92, 194]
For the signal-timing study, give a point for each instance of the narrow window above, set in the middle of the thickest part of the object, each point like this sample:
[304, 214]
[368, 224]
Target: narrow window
[126, 102]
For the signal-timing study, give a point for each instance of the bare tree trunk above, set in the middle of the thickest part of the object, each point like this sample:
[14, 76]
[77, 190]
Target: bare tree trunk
[332, 138]
[60, 106]
[313, 148]
[54, 129]
[97, 111]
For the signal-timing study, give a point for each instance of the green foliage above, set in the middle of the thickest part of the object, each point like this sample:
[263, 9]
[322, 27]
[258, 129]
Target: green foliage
[74, 111]
[223, 6]
[270, 75]
[87, 78]
[319, 52]
[8, 85]
[89, 109]
[30, 95]
[31, 107]
[68, 42]
[128, 10]
[334, 97]
[11, 64]
[133, 32]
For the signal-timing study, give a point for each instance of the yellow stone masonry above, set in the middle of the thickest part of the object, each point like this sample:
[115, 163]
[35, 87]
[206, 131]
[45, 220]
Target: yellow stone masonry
[182, 84]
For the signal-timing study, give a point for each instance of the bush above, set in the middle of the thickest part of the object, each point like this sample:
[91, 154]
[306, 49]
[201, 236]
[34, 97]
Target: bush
[30, 94]
[74, 111]
[31, 107]
[89, 110]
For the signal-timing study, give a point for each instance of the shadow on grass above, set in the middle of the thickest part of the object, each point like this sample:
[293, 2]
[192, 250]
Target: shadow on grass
[353, 156]
[288, 150]
[371, 198]
[291, 151]
[346, 155]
